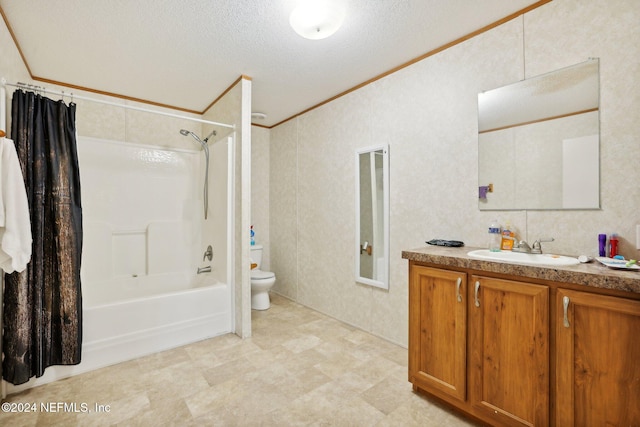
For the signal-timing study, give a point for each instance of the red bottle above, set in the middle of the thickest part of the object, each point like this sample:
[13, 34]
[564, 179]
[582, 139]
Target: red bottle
[613, 245]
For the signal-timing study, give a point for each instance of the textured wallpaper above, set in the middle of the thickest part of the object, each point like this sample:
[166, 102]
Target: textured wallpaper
[427, 113]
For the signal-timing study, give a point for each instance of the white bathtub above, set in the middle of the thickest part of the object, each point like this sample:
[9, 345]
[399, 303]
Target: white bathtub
[132, 317]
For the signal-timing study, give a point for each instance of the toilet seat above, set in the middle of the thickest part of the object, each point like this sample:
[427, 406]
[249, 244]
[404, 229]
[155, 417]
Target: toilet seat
[261, 275]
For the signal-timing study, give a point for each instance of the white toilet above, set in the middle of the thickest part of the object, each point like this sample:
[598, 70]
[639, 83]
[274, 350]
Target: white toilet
[261, 281]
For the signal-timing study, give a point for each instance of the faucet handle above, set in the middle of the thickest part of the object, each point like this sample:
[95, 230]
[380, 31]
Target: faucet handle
[208, 253]
[537, 247]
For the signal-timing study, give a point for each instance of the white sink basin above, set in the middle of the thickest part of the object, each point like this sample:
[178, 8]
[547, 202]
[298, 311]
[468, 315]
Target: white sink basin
[520, 258]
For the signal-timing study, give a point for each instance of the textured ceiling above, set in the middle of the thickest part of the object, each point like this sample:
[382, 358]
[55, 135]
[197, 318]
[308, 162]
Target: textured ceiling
[185, 53]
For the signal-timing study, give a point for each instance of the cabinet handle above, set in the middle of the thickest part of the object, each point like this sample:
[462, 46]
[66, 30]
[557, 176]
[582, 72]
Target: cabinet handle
[458, 283]
[476, 293]
[565, 306]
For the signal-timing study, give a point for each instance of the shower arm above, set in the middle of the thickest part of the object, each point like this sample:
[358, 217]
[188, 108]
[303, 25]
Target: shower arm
[213, 133]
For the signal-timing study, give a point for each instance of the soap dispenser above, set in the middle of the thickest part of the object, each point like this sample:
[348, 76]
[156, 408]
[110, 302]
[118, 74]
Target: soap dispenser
[508, 237]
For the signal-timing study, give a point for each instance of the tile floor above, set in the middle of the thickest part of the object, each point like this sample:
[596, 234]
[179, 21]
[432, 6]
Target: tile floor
[300, 368]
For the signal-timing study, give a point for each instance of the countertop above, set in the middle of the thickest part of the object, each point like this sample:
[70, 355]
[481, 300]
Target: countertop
[591, 274]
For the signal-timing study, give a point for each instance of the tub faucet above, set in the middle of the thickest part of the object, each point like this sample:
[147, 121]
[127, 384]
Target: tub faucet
[208, 254]
[206, 269]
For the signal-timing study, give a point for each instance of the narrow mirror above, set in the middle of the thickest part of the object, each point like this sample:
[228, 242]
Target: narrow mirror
[372, 216]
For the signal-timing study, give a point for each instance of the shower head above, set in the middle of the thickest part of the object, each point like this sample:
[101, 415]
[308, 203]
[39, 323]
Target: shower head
[188, 132]
[201, 141]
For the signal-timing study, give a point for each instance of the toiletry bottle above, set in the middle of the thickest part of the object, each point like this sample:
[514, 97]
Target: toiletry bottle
[602, 244]
[613, 245]
[495, 237]
[253, 236]
[508, 237]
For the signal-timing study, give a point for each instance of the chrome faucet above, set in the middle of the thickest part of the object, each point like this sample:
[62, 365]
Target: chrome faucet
[523, 247]
[206, 269]
[537, 247]
[208, 254]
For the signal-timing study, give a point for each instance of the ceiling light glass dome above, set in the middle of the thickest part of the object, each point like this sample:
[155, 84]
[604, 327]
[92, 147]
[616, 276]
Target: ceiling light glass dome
[317, 19]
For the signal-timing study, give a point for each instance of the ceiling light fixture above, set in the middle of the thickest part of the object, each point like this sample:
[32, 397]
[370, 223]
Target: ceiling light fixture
[316, 19]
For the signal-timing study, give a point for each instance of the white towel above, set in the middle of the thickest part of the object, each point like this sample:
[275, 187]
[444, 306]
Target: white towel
[15, 232]
[1, 201]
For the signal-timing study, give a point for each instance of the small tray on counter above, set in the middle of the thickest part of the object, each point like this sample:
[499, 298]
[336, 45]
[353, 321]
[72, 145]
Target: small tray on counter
[618, 264]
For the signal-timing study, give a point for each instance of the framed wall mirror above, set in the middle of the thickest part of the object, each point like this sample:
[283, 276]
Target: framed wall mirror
[538, 142]
[372, 216]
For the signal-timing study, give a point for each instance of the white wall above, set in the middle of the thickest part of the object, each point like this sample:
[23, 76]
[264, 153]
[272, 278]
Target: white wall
[235, 108]
[427, 113]
[260, 190]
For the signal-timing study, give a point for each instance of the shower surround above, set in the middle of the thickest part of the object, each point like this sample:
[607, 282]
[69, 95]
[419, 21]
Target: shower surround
[144, 239]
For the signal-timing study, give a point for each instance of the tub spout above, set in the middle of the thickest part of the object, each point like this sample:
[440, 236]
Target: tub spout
[206, 269]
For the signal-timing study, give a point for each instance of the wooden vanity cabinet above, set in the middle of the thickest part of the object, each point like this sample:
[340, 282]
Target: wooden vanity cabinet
[518, 353]
[509, 351]
[438, 332]
[502, 376]
[597, 360]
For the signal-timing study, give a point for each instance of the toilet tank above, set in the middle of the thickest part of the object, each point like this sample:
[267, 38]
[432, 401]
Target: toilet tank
[256, 255]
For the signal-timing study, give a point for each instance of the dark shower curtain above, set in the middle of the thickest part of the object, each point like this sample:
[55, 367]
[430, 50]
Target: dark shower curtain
[43, 305]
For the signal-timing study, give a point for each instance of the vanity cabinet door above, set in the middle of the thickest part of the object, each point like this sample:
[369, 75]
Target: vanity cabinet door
[438, 331]
[597, 353]
[509, 351]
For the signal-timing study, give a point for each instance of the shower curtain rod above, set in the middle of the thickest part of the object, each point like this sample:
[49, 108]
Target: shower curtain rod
[99, 101]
